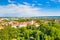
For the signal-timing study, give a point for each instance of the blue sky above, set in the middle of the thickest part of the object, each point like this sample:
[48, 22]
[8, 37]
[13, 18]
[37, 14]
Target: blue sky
[28, 8]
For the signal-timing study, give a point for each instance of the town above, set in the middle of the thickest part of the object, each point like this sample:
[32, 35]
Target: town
[29, 29]
[15, 22]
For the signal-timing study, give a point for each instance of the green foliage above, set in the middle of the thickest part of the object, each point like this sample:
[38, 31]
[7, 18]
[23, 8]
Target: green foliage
[46, 31]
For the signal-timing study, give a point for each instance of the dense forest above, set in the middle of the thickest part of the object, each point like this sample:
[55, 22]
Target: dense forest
[46, 31]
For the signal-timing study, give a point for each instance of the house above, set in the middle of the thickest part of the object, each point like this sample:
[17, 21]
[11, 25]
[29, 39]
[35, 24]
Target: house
[57, 20]
[37, 24]
[20, 24]
[1, 27]
[23, 24]
[14, 24]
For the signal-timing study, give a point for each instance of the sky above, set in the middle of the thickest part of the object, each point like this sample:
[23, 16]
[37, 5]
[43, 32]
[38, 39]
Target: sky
[29, 8]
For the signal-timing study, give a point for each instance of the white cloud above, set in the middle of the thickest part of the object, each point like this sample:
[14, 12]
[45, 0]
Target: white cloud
[23, 10]
[33, 5]
[26, 3]
[11, 1]
[19, 10]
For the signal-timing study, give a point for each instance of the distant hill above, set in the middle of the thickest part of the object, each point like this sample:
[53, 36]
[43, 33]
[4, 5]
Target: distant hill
[35, 17]
[48, 17]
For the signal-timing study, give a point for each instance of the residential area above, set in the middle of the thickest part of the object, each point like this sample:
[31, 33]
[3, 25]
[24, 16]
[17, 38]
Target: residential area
[6, 21]
[29, 29]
